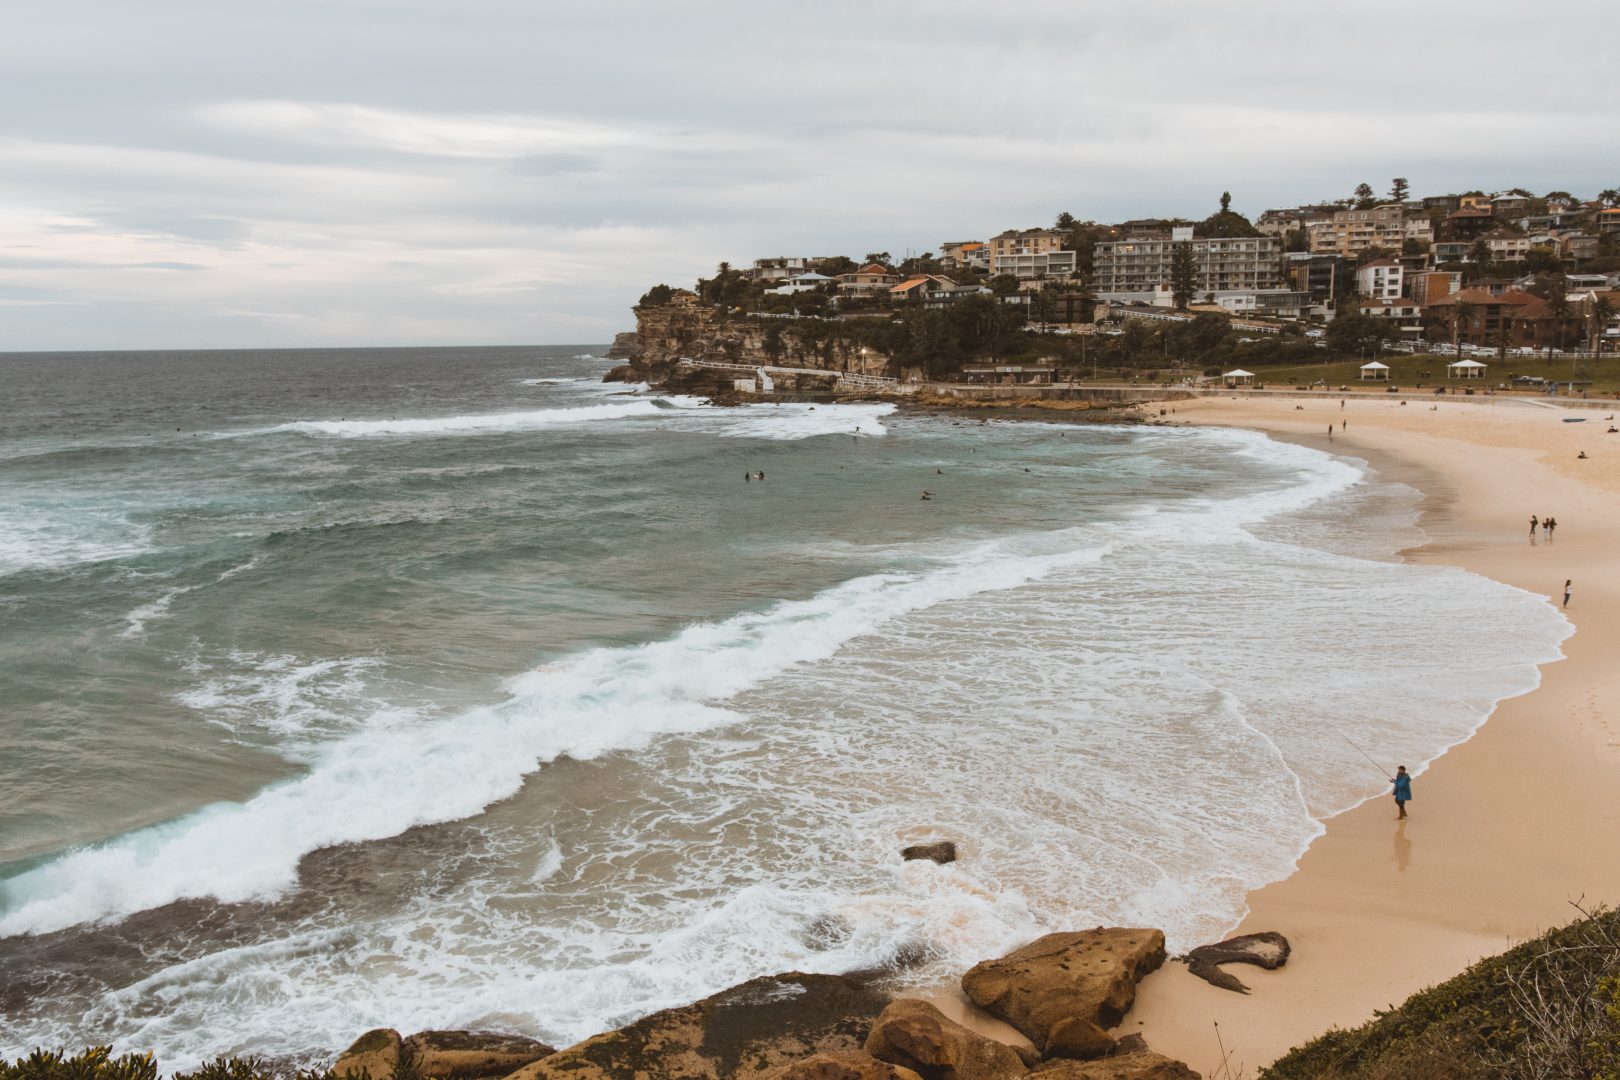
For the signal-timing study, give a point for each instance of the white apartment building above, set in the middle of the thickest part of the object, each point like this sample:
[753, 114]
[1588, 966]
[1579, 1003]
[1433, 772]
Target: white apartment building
[1381, 280]
[1032, 253]
[1139, 265]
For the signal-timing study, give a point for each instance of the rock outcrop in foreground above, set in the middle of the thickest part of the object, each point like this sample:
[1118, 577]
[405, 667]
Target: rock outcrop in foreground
[1267, 949]
[916, 1035]
[452, 1055]
[747, 1032]
[1063, 990]
[1142, 1065]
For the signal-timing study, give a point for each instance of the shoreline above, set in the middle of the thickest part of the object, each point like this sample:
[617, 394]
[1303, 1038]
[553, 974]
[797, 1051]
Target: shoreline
[1510, 826]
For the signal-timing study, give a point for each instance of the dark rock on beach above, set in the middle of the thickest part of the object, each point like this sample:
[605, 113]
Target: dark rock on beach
[916, 1035]
[622, 373]
[941, 851]
[1042, 988]
[1268, 949]
[1216, 977]
[748, 1031]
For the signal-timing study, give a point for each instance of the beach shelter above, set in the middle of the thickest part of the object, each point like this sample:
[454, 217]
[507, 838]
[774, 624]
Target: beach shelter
[1375, 370]
[1238, 377]
[1466, 369]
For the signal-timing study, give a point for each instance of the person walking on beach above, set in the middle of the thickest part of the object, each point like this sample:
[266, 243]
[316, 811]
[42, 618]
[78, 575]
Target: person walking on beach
[1403, 789]
[1330, 433]
[1568, 587]
[1552, 524]
[1533, 523]
[1546, 528]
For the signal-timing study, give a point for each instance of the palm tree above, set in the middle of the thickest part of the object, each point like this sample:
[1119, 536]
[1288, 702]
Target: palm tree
[1609, 196]
[1602, 311]
[1558, 308]
[1461, 312]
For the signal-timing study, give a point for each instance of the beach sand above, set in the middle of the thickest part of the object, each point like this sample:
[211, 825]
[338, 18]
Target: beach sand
[1507, 829]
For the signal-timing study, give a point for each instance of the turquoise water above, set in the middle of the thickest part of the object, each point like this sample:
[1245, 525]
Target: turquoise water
[446, 688]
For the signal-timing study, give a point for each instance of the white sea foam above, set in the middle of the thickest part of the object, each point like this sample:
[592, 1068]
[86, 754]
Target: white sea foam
[50, 534]
[366, 786]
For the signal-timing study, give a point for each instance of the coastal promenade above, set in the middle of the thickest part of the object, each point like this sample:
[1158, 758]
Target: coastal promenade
[1509, 828]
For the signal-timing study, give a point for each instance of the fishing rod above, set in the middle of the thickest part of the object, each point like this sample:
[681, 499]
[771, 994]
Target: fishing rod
[1366, 755]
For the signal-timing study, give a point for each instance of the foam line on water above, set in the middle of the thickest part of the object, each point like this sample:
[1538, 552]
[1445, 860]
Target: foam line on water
[135, 622]
[473, 424]
[368, 786]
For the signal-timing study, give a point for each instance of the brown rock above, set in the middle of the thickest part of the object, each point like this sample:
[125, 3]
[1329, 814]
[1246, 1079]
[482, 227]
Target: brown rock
[843, 1065]
[622, 373]
[942, 851]
[463, 1055]
[1090, 975]
[1134, 1043]
[1143, 1065]
[1078, 1038]
[374, 1054]
[1216, 977]
[1268, 949]
[916, 1035]
[745, 1032]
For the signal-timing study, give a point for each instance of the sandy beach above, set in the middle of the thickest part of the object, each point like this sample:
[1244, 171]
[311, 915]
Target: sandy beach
[1505, 830]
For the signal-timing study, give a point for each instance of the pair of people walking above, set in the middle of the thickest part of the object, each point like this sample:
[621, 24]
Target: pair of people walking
[1547, 525]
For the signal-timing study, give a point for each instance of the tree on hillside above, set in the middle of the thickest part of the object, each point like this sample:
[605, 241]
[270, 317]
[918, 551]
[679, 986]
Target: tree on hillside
[1354, 334]
[1609, 197]
[837, 264]
[1462, 315]
[657, 296]
[1003, 284]
[1364, 195]
[1481, 254]
[1399, 189]
[1183, 274]
[1065, 221]
[1226, 202]
[881, 257]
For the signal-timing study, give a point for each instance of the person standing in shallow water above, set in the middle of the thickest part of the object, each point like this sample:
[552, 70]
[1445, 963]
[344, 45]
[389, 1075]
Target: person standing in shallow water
[1403, 789]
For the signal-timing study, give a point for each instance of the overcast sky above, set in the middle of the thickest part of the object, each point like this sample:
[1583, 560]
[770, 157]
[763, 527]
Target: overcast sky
[365, 172]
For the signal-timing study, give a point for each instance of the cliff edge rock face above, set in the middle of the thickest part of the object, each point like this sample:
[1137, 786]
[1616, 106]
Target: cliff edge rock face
[743, 1033]
[623, 347]
[687, 328]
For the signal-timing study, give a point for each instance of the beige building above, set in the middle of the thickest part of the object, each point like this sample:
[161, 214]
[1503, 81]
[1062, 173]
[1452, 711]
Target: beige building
[1224, 264]
[968, 253]
[873, 278]
[1025, 249]
[1507, 246]
[1352, 232]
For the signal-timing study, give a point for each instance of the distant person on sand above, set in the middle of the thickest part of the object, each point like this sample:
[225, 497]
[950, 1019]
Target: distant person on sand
[1403, 789]
[1534, 522]
[1569, 586]
[1549, 524]
[1330, 433]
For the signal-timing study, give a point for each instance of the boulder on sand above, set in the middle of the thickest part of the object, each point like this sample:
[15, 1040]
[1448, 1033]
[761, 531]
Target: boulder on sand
[1090, 975]
[465, 1055]
[843, 1065]
[1267, 949]
[916, 1035]
[374, 1054]
[745, 1033]
[941, 851]
[1141, 1065]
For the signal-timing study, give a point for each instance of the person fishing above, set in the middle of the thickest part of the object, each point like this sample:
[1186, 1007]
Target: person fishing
[1403, 789]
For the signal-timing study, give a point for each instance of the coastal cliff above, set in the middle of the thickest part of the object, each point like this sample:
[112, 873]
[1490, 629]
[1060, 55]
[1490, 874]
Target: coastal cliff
[684, 327]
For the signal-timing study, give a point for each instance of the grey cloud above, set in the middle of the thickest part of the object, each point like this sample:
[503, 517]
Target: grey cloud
[356, 171]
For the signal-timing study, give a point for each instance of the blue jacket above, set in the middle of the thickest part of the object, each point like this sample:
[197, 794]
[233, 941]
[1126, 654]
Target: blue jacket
[1403, 788]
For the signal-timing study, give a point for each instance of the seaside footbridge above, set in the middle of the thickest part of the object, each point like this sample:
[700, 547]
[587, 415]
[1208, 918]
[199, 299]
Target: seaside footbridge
[763, 379]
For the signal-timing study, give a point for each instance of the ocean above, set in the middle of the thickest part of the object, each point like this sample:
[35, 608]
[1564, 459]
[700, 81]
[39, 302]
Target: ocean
[445, 688]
